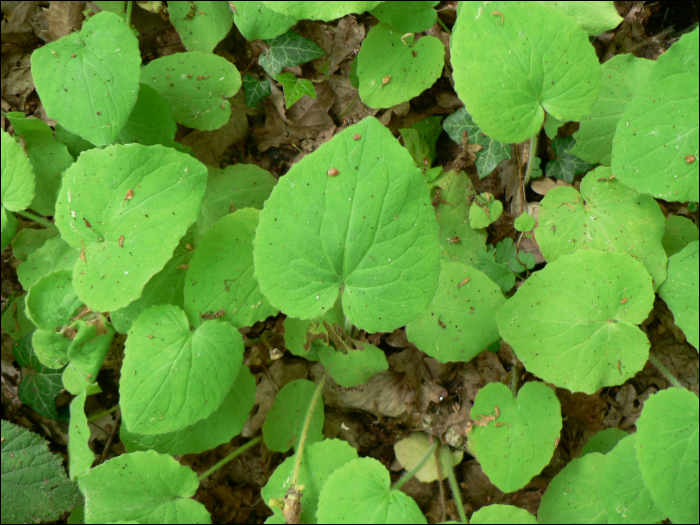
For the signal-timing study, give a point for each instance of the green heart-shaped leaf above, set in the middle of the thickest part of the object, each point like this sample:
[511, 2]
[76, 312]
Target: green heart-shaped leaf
[680, 291]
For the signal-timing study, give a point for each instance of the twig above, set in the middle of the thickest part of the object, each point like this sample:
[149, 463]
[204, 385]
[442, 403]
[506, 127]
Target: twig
[110, 439]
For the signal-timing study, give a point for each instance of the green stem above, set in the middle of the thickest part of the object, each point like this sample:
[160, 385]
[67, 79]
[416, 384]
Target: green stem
[102, 414]
[531, 160]
[30, 215]
[305, 432]
[447, 459]
[129, 7]
[672, 379]
[400, 483]
[442, 24]
[228, 458]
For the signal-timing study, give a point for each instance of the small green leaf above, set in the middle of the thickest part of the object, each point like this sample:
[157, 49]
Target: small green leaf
[460, 322]
[49, 159]
[201, 25]
[80, 456]
[392, 70]
[151, 122]
[197, 86]
[285, 419]
[75, 144]
[354, 367]
[327, 11]
[220, 277]
[524, 222]
[99, 64]
[35, 486]
[320, 461]
[667, 451]
[622, 77]
[220, 427]
[299, 340]
[514, 61]
[173, 377]
[289, 49]
[359, 492]
[9, 227]
[295, 88]
[502, 514]
[51, 348]
[420, 139]
[256, 21]
[17, 176]
[502, 263]
[598, 488]
[52, 300]
[680, 291]
[407, 17]
[87, 353]
[519, 442]
[144, 487]
[594, 17]
[322, 236]
[54, 255]
[14, 319]
[30, 240]
[409, 451]
[593, 219]
[484, 210]
[491, 152]
[604, 441]
[116, 219]
[566, 166]
[679, 233]
[552, 125]
[255, 90]
[657, 136]
[573, 323]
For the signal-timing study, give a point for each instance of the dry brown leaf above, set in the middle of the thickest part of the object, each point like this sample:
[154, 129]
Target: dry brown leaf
[63, 18]
[543, 185]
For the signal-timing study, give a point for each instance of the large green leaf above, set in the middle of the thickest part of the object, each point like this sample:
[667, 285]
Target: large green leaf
[513, 61]
[289, 49]
[325, 11]
[368, 233]
[80, 457]
[460, 322]
[197, 85]
[52, 300]
[622, 77]
[17, 189]
[201, 25]
[99, 64]
[220, 427]
[126, 208]
[600, 488]
[142, 487]
[680, 232]
[667, 451]
[502, 514]
[54, 255]
[594, 17]
[680, 291]
[519, 442]
[655, 149]
[605, 216]
[394, 68]
[573, 323]
[359, 492]
[35, 487]
[220, 278]
[257, 21]
[173, 377]
[30, 240]
[354, 367]
[407, 17]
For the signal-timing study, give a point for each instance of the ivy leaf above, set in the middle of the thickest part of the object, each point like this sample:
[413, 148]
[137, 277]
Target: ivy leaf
[392, 70]
[17, 176]
[220, 427]
[485, 210]
[197, 85]
[507, 92]
[289, 49]
[601, 488]
[566, 166]
[285, 419]
[622, 77]
[295, 88]
[143, 486]
[35, 486]
[173, 377]
[328, 11]
[460, 322]
[667, 451]
[220, 274]
[680, 291]
[591, 303]
[201, 25]
[653, 146]
[119, 231]
[526, 427]
[593, 219]
[491, 152]
[320, 460]
[360, 492]
[255, 90]
[101, 64]
[407, 17]
[323, 236]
